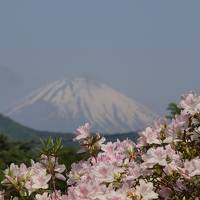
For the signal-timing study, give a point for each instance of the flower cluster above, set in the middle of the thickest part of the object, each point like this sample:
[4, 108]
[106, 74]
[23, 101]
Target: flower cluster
[163, 164]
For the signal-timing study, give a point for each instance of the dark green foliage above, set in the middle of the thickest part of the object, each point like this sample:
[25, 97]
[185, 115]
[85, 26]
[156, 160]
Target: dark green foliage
[15, 152]
[51, 147]
[173, 110]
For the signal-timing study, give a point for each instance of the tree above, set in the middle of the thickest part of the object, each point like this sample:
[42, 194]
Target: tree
[173, 110]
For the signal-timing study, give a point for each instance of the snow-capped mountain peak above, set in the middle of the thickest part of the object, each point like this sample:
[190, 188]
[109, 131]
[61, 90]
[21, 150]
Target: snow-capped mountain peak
[63, 105]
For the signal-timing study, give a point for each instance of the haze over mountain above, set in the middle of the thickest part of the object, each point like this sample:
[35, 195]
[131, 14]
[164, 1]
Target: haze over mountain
[64, 105]
[11, 86]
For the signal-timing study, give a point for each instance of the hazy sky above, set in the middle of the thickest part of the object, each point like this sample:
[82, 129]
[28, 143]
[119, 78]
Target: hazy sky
[149, 50]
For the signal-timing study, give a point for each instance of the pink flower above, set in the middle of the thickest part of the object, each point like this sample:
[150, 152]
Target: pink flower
[146, 190]
[192, 167]
[151, 136]
[1, 195]
[190, 103]
[165, 192]
[83, 132]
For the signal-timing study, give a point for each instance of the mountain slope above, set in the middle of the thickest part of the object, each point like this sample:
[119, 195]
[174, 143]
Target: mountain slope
[19, 132]
[63, 105]
[15, 130]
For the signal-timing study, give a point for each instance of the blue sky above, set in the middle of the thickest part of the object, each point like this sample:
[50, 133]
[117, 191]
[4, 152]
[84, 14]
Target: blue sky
[148, 50]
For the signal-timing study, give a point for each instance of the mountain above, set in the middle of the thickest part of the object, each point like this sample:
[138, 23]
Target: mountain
[15, 130]
[18, 132]
[64, 105]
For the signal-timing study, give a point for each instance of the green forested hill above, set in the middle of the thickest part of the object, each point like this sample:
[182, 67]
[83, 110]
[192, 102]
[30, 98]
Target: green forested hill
[17, 131]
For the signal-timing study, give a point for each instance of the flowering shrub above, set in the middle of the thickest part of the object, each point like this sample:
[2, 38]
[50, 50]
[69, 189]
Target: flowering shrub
[164, 164]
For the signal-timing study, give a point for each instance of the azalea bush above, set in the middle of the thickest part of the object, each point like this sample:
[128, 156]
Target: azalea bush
[163, 164]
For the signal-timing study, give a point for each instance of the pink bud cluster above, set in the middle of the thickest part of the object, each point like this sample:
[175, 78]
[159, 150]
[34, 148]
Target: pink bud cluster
[164, 164]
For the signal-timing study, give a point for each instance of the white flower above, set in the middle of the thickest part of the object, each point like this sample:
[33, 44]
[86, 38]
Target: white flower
[82, 132]
[192, 167]
[146, 190]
